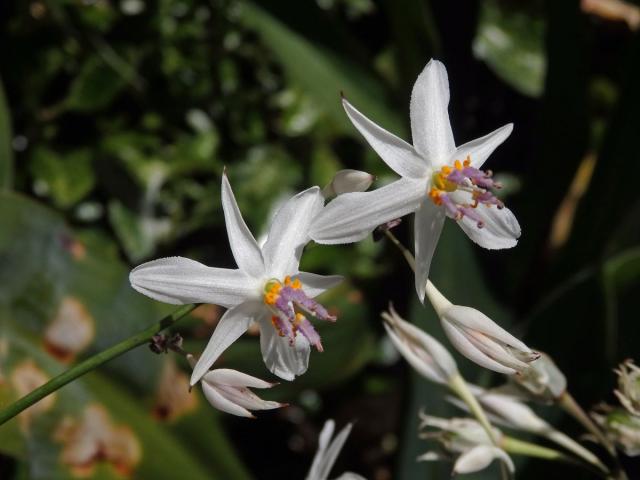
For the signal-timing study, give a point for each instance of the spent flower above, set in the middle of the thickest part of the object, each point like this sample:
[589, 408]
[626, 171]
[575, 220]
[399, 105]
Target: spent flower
[423, 352]
[464, 438]
[628, 391]
[229, 391]
[267, 288]
[438, 180]
[479, 338]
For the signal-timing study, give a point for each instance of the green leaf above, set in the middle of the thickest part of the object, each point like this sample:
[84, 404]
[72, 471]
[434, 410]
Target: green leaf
[6, 152]
[95, 87]
[321, 73]
[66, 178]
[511, 42]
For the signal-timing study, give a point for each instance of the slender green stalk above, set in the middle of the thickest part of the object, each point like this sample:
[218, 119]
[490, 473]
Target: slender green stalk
[569, 405]
[408, 256]
[92, 362]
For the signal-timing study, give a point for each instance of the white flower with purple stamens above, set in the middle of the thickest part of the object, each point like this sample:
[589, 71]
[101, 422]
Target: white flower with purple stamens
[438, 180]
[267, 288]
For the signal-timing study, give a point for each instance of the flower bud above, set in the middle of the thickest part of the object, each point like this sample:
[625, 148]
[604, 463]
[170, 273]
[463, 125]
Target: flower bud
[543, 381]
[479, 338]
[628, 391]
[423, 352]
[346, 181]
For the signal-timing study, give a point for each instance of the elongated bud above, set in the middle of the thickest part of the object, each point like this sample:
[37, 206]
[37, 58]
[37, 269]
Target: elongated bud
[479, 338]
[423, 352]
[543, 382]
[346, 181]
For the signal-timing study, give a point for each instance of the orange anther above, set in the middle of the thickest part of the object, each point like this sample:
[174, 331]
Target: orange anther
[446, 170]
[467, 161]
[458, 165]
[296, 284]
[287, 280]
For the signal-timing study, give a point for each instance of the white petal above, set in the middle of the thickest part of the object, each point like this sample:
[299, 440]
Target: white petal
[246, 398]
[333, 451]
[430, 126]
[282, 359]
[476, 320]
[289, 232]
[314, 284]
[466, 348]
[395, 152]
[352, 216]
[480, 457]
[231, 326]
[496, 351]
[501, 228]
[234, 378]
[220, 402]
[179, 280]
[427, 228]
[350, 476]
[323, 443]
[244, 247]
[480, 148]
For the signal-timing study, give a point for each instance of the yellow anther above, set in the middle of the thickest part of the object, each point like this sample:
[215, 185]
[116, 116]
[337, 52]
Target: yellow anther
[434, 194]
[446, 169]
[296, 284]
[457, 164]
[299, 318]
[287, 280]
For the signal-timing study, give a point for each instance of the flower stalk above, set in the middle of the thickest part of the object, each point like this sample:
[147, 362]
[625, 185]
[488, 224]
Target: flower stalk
[93, 362]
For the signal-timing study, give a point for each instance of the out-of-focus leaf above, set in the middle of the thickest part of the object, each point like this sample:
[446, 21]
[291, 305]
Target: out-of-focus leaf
[511, 42]
[66, 178]
[321, 73]
[44, 443]
[95, 87]
[6, 152]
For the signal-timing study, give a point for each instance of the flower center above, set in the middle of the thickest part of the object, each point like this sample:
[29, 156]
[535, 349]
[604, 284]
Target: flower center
[462, 177]
[290, 306]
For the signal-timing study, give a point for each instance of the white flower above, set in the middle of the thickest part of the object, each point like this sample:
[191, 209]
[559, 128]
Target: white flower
[421, 350]
[328, 452]
[467, 438]
[628, 391]
[267, 288]
[347, 181]
[438, 180]
[479, 338]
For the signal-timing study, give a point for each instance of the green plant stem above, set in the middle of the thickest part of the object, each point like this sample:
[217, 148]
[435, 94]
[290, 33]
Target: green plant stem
[569, 405]
[92, 362]
[408, 256]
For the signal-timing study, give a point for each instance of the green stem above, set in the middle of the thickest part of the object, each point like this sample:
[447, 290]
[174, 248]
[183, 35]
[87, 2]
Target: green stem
[520, 447]
[459, 386]
[91, 363]
[569, 405]
[408, 256]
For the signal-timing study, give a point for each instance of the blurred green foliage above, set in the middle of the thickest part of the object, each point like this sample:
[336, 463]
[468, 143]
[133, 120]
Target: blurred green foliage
[117, 119]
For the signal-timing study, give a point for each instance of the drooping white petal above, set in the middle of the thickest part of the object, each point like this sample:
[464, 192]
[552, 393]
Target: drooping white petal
[289, 232]
[423, 366]
[231, 326]
[476, 320]
[234, 378]
[352, 216]
[428, 224]
[323, 442]
[481, 148]
[430, 126]
[350, 476]
[282, 359]
[222, 403]
[179, 280]
[314, 284]
[244, 247]
[501, 228]
[396, 153]
[479, 458]
[466, 348]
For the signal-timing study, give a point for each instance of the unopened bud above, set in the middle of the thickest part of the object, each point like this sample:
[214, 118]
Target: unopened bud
[628, 391]
[347, 181]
